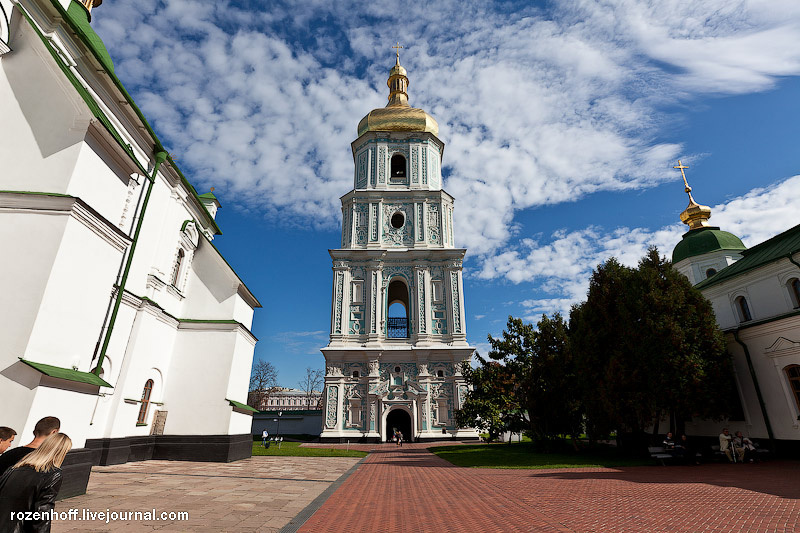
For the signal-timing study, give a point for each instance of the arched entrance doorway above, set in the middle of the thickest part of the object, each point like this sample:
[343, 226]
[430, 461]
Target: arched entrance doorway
[400, 419]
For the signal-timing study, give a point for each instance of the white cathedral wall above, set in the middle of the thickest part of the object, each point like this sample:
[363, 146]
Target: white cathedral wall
[73, 406]
[74, 303]
[207, 367]
[100, 182]
[46, 115]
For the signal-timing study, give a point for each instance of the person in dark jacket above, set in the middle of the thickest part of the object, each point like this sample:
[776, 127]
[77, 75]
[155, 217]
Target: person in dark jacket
[43, 429]
[28, 489]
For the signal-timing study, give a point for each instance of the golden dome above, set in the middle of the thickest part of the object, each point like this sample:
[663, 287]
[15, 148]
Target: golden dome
[695, 215]
[398, 115]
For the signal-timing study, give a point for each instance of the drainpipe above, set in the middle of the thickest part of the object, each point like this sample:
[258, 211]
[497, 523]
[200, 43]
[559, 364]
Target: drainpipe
[758, 390]
[159, 158]
[789, 257]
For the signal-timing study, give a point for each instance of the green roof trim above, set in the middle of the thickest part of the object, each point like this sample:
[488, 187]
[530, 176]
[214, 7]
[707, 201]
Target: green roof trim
[781, 246]
[80, 18]
[34, 193]
[705, 240]
[209, 195]
[240, 405]
[99, 51]
[67, 373]
[767, 320]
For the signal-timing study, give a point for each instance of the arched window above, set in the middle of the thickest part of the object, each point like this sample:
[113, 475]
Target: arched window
[794, 291]
[176, 272]
[744, 309]
[440, 373]
[398, 166]
[710, 272]
[355, 373]
[148, 389]
[793, 373]
[397, 323]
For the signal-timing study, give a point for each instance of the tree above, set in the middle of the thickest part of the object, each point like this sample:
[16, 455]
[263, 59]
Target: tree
[263, 381]
[491, 404]
[647, 344]
[311, 383]
[541, 362]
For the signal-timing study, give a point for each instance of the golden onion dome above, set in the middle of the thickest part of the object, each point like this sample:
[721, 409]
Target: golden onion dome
[398, 115]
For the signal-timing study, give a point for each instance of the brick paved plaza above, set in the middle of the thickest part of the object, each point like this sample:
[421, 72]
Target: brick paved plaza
[410, 489]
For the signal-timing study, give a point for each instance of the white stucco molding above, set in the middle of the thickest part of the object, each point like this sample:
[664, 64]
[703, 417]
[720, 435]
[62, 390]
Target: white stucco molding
[783, 347]
[4, 31]
[46, 203]
[217, 325]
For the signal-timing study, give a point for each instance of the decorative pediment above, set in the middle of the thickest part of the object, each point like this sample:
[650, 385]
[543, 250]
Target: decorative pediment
[783, 346]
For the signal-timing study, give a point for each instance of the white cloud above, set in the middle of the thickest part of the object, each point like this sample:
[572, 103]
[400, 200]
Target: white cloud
[537, 106]
[562, 266]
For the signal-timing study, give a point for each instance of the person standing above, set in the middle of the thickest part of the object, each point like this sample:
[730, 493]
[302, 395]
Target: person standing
[6, 438]
[43, 429]
[264, 437]
[32, 484]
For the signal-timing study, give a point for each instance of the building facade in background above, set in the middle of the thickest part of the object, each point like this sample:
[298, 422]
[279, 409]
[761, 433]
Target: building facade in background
[120, 316]
[283, 399]
[755, 293]
[398, 335]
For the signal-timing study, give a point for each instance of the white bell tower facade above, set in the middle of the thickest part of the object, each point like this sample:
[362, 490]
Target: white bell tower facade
[398, 336]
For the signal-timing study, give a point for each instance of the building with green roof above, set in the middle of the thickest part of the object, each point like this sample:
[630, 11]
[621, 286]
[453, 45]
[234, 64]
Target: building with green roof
[755, 293]
[125, 322]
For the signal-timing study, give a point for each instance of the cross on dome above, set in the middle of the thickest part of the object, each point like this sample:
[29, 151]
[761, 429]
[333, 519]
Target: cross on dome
[397, 48]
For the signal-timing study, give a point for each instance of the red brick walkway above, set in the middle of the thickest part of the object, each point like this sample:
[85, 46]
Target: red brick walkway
[410, 489]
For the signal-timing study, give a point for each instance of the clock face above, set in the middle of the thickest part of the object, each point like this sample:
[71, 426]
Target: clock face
[397, 220]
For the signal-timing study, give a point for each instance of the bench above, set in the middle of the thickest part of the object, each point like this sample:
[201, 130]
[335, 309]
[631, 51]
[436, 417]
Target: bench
[659, 453]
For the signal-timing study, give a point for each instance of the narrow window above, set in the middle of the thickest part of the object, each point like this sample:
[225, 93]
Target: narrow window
[793, 373]
[710, 272]
[398, 166]
[177, 272]
[440, 373]
[148, 388]
[794, 292]
[355, 373]
[744, 309]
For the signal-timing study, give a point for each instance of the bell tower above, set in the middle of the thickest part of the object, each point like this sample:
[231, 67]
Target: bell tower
[398, 336]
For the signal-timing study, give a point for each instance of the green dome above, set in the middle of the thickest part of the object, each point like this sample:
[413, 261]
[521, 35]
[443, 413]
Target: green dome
[705, 240]
[80, 19]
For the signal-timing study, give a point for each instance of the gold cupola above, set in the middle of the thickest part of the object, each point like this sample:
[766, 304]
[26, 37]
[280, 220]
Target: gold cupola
[695, 215]
[398, 115]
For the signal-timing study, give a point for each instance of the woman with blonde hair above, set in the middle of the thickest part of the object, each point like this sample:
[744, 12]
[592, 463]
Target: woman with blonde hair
[28, 489]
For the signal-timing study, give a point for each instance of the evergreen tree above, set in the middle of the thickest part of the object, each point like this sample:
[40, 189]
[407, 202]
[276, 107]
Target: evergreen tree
[647, 344]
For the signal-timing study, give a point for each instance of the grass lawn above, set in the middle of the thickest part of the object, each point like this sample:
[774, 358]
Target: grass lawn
[523, 456]
[294, 449]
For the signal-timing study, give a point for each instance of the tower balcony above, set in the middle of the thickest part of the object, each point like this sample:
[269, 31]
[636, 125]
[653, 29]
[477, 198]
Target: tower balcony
[397, 328]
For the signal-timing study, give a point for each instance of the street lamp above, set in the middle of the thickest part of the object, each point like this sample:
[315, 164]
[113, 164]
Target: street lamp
[278, 434]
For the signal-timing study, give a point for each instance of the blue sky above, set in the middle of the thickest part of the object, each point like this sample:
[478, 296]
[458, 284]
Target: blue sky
[562, 122]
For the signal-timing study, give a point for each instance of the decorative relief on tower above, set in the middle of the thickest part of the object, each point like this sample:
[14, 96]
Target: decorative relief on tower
[331, 405]
[415, 164]
[439, 319]
[361, 171]
[374, 370]
[424, 165]
[345, 227]
[420, 208]
[409, 370]
[421, 301]
[404, 235]
[434, 169]
[333, 370]
[391, 271]
[337, 314]
[362, 223]
[462, 395]
[374, 222]
[374, 307]
[456, 304]
[381, 162]
[450, 217]
[434, 233]
[356, 320]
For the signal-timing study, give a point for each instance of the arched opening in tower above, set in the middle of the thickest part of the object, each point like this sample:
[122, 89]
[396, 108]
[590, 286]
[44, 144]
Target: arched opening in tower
[397, 317]
[398, 166]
